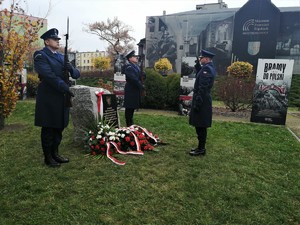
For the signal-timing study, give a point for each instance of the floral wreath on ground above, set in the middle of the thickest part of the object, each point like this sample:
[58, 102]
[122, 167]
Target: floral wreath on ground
[105, 140]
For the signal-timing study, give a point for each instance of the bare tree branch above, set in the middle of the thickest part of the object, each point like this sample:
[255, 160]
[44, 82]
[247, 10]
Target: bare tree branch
[115, 32]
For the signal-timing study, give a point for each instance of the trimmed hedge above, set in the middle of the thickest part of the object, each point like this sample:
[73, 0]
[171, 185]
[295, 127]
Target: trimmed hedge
[156, 92]
[163, 92]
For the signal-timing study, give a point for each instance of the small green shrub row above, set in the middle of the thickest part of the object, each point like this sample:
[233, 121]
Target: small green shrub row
[161, 92]
[91, 78]
[105, 74]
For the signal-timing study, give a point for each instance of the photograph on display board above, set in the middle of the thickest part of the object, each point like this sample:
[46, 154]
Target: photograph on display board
[187, 80]
[270, 98]
[110, 111]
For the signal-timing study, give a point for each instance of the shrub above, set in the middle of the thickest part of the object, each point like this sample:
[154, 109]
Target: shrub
[106, 74]
[162, 66]
[294, 96]
[92, 78]
[236, 89]
[32, 84]
[236, 93]
[155, 90]
[105, 85]
[173, 91]
[240, 69]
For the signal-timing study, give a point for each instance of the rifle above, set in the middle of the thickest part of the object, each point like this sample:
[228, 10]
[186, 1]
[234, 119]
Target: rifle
[66, 72]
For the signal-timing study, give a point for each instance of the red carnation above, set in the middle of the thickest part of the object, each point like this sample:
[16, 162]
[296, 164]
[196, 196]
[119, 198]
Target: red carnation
[132, 143]
[127, 139]
[141, 136]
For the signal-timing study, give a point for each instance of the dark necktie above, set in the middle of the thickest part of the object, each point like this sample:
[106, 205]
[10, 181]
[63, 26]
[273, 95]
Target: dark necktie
[56, 56]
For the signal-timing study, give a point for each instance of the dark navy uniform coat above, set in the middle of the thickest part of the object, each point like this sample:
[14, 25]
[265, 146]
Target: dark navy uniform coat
[50, 110]
[133, 86]
[201, 109]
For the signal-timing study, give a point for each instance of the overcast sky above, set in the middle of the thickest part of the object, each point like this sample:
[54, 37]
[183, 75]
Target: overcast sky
[130, 12]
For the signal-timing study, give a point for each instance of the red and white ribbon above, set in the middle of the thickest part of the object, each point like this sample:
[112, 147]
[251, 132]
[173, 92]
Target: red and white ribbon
[99, 101]
[149, 134]
[126, 153]
[109, 155]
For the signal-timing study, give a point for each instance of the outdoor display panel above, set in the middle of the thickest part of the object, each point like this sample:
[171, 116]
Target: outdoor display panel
[270, 97]
[119, 86]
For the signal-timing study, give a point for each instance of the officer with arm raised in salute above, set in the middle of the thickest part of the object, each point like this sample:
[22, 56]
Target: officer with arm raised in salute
[201, 109]
[51, 112]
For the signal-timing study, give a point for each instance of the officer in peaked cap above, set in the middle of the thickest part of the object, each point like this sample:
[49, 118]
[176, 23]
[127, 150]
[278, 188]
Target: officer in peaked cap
[201, 108]
[131, 54]
[134, 86]
[51, 112]
[207, 54]
[51, 34]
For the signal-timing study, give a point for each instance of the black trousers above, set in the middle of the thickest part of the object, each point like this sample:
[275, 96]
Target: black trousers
[201, 135]
[129, 116]
[51, 137]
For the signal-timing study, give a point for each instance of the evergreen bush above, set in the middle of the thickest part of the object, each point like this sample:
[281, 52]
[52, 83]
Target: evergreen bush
[294, 96]
[173, 91]
[156, 90]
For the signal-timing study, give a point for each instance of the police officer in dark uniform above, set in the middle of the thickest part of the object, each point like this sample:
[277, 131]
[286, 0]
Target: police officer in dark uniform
[133, 88]
[51, 112]
[201, 109]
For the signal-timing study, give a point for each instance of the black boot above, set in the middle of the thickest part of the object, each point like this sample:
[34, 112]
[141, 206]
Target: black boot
[49, 161]
[57, 157]
[198, 152]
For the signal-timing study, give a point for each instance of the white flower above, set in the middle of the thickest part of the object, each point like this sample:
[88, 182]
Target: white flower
[122, 135]
[98, 136]
[112, 138]
[110, 133]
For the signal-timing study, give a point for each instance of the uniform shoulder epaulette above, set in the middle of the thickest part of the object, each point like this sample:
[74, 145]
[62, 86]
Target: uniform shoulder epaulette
[37, 55]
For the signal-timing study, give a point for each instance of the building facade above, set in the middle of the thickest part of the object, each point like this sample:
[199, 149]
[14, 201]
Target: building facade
[84, 60]
[257, 30]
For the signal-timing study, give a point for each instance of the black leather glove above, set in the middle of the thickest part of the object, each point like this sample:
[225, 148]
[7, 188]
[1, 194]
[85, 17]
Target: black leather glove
[71, 93]
[69, 66]
[196, 108]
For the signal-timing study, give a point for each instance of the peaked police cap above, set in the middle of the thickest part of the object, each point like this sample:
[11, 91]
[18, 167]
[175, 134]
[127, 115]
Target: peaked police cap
[52, 33]
[208, 54]
[130, 54]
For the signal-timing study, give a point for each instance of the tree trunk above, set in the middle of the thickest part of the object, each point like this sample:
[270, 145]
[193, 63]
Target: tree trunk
[1, 122]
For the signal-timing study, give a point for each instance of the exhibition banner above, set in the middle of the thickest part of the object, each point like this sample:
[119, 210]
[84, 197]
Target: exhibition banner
[270, 98]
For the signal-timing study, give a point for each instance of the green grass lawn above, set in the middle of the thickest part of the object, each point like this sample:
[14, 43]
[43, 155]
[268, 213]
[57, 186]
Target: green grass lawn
[250, 175]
